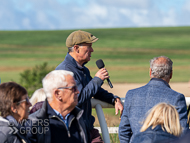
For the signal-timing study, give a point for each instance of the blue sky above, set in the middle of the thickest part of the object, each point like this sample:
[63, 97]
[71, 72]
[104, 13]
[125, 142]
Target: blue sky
[81, 14]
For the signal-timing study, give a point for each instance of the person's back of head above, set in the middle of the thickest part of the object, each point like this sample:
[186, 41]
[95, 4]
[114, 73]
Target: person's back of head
[161, 67]
[166, 116]
[38, 96]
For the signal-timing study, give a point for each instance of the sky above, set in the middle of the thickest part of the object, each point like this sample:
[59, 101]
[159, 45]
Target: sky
[87, 14]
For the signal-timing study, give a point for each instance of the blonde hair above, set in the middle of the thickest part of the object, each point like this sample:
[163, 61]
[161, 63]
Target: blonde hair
[165, 115]
[38, 95]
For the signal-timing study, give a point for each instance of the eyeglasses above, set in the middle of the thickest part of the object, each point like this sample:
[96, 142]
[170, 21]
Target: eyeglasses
[25, 100]
[73, 88]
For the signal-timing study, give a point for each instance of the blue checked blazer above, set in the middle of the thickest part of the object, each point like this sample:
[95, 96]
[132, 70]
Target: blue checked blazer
[139, 101]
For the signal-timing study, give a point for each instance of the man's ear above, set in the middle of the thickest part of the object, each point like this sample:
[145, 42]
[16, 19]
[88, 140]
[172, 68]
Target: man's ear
[150, 72]
[171, 74]
[57, 94]
[76, 48]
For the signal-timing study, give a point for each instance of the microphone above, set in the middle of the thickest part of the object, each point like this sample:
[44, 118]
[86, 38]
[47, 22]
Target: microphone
[100, 64]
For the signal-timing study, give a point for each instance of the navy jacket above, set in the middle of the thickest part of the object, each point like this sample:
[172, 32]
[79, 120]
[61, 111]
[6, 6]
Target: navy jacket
[51, 129]
[88, 87]
[156, 135]
[139, 101]
[183, 139]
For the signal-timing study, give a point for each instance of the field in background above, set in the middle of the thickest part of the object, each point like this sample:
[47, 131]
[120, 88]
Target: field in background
[125, 51]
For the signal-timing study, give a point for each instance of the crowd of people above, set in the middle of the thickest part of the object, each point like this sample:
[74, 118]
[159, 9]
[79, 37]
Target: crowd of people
[61, 111]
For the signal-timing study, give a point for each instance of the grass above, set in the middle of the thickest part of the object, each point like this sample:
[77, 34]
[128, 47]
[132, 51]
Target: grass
[125, 51]
[110, 117]
[114, 138]
[112, 120]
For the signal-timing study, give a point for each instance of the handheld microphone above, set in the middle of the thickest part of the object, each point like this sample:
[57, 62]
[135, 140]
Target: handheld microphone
[100, 64]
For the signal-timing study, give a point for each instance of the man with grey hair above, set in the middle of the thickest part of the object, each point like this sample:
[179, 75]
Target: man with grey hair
[79, 45]
[62, 119]
[140, 100]
[161, 67]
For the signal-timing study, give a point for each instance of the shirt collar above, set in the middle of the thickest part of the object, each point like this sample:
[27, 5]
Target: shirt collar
[78, 64]
[58, 114]
[73, 61]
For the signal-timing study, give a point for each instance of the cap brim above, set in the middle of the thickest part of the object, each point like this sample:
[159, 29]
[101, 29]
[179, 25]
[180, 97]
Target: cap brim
[94, 39]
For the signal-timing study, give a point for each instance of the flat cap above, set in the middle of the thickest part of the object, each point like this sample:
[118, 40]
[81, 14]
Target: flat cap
[78, 37]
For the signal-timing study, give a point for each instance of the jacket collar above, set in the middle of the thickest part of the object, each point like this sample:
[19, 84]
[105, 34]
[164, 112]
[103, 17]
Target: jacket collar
[158, 81]
[41, 114]
[50, 111]
[71, 60]
[76, 112]
[157, 128]
[3, 119]
[47, 110]
[4, 122]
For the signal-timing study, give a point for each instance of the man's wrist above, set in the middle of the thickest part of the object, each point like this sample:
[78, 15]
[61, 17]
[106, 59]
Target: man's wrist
[116, 99]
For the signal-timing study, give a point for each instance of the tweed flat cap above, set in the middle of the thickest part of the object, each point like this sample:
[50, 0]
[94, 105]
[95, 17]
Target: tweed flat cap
[78, 37]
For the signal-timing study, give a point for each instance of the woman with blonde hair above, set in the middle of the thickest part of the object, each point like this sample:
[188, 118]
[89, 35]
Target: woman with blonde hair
[37, 100]
[161, 124]
[38, 96]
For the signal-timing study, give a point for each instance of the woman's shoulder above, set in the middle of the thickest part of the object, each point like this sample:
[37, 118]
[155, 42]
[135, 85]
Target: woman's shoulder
[9, 132]
[153, 136]
[7, 135]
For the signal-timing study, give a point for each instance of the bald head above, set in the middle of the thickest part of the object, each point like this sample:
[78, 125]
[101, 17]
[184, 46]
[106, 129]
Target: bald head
[161, 67]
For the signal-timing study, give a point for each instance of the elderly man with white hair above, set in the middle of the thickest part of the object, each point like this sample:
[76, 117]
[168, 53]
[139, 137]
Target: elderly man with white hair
[59, 114]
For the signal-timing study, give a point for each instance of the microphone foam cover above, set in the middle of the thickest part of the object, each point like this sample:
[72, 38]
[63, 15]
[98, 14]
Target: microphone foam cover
[100, 63]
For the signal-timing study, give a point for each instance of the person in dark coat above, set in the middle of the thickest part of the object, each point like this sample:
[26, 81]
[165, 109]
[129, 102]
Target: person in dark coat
[161, 125]
[36, 107]
[79, 44]
[14, 111]
[59, 120]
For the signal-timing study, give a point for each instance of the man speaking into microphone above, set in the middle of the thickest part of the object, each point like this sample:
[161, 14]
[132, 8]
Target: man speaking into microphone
[79, 44]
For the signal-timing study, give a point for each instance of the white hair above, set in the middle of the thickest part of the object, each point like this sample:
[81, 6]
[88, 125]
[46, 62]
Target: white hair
[38, 95]
[53, 80]
[70, 49]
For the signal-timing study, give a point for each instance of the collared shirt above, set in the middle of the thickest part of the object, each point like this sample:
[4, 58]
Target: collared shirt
[64, 120]
[78, 64]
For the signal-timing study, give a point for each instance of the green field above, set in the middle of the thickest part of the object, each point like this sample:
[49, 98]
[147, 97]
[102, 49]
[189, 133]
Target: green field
[126, 51]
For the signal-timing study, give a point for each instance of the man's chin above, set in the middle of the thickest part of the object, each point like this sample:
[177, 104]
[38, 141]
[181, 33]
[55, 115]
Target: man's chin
[86, 62]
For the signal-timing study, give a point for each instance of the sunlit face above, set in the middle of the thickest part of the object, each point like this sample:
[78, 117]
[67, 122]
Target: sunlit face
[70, 95]
[22, 108]
[84, 53]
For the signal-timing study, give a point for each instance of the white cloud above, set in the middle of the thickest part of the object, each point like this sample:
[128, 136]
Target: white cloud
[126, 3]
[75, 14]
